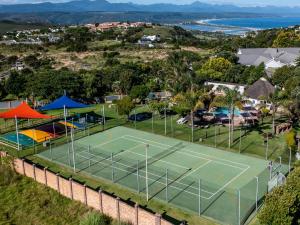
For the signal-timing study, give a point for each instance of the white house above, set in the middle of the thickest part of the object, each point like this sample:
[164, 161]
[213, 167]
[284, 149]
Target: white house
[217, 86]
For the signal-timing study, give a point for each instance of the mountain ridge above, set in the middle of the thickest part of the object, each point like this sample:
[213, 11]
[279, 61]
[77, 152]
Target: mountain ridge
[105, 6]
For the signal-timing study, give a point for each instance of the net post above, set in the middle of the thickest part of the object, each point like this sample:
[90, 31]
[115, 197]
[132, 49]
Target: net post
[239, 207]
[147, 188]
[138, 176]
[199, 197]
[112, 168]
[256, 194]
[167, 183]
[89, 151]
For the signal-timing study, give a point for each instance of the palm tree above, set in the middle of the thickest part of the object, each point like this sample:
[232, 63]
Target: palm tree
[232, 100]
[190, 101]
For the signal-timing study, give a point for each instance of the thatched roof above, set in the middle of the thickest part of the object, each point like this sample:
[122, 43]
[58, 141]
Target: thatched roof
[261, 88]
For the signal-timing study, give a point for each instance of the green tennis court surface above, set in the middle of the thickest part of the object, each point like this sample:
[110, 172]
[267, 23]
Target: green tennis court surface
[210, 182]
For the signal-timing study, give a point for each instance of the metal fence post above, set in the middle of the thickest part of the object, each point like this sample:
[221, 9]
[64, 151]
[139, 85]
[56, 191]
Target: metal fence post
[239, 207]
[112, 168]
[167, 185]
[256, 195]
[199, 197]
[138, 177]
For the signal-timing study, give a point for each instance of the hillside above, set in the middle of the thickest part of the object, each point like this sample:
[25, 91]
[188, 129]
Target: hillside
[8, 26]
[23, 201]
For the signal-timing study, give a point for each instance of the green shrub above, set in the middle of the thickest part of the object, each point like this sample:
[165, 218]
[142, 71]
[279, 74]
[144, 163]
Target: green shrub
[7, 174]
[93, 218]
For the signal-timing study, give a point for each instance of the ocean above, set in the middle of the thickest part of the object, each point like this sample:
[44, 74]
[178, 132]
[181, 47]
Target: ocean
[239, 26]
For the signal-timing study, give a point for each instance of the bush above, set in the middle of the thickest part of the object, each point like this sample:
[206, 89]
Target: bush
[7, 174]
[93, 218]
[282, 206]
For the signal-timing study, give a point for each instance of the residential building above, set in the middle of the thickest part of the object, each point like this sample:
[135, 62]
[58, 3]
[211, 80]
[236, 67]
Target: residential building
[161, 95]
[273, 58]
[217, 87]
[111, 98]
[258, 92]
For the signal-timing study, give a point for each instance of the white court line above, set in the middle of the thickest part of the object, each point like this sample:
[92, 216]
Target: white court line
[160, 160]
[199, 167]
[142, 176]
[104, 143]
[188, 150]
[230, 181]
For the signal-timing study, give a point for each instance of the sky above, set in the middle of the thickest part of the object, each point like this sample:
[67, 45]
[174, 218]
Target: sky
[237, 2]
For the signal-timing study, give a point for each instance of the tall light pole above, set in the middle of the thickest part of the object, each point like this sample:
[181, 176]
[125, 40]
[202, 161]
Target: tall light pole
[147, 188]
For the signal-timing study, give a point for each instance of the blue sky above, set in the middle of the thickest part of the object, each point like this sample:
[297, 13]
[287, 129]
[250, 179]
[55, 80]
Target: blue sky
[238, 2]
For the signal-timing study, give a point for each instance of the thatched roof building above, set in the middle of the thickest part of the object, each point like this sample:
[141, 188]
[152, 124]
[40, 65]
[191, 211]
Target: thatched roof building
[261, 88]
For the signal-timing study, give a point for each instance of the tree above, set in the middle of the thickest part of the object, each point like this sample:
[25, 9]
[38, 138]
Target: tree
[264, 112]
[125, 106]
[16, 83]
[286, 39]
[282, 205]
[231, 99]
[282, 74]
[139, 92]
[189, 101]
[2, 90]
[217, 64]
[94, 84]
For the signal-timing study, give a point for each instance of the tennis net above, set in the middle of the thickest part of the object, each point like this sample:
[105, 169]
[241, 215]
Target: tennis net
[156, 157]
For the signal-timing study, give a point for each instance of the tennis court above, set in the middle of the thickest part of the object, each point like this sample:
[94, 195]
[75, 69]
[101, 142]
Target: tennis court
[207, 181]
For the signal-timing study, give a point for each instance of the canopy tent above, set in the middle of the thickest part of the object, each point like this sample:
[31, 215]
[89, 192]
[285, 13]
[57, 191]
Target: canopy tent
[68, 124]
[55, 129]
[23, 111]
[37, 135]
[62, 103]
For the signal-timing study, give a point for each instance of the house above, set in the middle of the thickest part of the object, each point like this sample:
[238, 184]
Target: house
[53, 39]
[111, 98]
[217, 86]
[162, 95]
[19, 65]
[260, 90]
[151, 38]
[273, 58]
